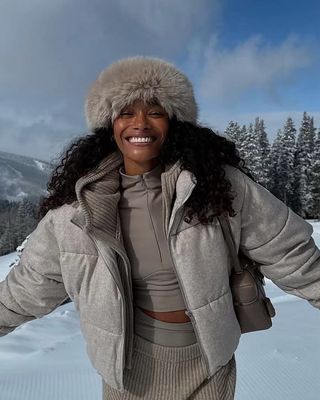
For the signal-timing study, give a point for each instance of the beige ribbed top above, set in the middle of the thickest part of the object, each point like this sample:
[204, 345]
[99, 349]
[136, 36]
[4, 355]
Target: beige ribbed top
[155, 285]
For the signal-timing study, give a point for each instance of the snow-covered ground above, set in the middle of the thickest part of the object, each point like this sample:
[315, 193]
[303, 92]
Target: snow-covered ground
[46, 359]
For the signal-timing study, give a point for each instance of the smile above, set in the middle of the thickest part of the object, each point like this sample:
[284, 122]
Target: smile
[144, 140]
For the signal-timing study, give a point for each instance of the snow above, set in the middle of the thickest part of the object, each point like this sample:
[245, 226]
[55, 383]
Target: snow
[40, 165]
[21, 195]
[46, 358]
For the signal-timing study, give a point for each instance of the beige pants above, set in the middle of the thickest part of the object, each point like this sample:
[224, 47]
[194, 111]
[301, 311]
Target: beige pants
[172, 373]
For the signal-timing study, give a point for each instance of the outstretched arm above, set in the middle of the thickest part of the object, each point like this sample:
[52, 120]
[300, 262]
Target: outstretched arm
[281, 242]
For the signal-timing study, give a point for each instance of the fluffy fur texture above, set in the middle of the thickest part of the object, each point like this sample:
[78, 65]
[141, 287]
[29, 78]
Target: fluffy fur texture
[139, 78]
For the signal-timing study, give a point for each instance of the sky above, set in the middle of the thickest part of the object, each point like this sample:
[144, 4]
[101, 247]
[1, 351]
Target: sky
[246, 59]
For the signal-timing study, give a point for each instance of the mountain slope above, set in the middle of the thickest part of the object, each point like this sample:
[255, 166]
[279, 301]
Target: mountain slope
[22, 176]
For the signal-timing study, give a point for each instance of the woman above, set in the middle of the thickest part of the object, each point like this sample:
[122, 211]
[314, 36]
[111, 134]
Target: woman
[129, 232]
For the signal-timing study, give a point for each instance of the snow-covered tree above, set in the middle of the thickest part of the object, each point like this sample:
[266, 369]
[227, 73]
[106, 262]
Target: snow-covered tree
[273, 165]
[7, 240]
[17, 221]
[291, 168]
[252, 152]
[233, 132]
[303, 162]
[285, 167]
[25, 220]
[237, 135]
[261, 134]
[314, 181]
[242, 139]
[295, 200]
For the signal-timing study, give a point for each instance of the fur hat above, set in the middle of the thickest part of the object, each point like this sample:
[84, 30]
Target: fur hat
[139, 78]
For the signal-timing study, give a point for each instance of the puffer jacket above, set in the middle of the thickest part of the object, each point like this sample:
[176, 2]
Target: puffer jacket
[77, 251]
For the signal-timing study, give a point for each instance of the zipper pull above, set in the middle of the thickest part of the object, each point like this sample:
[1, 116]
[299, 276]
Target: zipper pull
[144, 183]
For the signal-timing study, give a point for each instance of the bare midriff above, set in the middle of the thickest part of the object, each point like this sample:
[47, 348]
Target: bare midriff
[168, 316]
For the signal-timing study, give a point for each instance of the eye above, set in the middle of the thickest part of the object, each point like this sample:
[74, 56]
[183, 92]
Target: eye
[125, 113]
[157, 113]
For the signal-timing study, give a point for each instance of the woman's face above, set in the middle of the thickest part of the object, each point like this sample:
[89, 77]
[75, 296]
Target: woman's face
[139, 132]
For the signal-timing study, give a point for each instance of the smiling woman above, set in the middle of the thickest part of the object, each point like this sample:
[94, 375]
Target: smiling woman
[139, 132]
[130, 233]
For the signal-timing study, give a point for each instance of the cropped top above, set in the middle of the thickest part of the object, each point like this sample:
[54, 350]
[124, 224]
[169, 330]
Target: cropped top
[155, 285]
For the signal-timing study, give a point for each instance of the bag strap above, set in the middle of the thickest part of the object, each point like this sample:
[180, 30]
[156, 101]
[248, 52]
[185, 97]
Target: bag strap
[227, 233]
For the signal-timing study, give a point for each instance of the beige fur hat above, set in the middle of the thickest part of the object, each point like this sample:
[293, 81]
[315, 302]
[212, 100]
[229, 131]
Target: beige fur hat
[139, 78]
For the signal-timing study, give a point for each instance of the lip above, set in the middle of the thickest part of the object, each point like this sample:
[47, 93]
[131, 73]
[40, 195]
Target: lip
[139, 143]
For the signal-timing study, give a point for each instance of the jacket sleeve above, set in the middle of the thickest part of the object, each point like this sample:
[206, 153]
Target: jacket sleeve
[278, 239]
[34, 287]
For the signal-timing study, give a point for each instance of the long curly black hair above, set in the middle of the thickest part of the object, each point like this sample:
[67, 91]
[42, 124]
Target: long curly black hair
[199, 149]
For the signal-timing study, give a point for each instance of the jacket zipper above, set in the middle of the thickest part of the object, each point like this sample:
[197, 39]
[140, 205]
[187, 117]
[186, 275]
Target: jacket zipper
[129, 334]
[188, 312]
[190, 315]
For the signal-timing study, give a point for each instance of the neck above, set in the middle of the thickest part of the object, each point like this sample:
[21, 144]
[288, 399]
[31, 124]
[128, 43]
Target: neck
[133, 168]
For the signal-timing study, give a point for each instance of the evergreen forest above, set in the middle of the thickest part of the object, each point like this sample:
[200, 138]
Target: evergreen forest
[290, 167]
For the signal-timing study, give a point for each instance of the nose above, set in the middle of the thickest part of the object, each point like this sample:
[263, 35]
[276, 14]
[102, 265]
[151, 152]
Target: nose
[141, 120]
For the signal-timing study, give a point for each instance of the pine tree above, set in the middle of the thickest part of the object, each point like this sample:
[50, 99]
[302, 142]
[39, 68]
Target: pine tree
[295, 200]
[303, 162]
[233, 132]
[273, 166]
[286, 162]
[312, 148]
[25, 220]
[314, 205]
[242, 140]
[7, 240]
[237, 135]
[252, 153]
[260, 133]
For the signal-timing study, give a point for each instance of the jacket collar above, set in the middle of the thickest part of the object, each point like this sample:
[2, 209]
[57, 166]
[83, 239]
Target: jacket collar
[98, 193]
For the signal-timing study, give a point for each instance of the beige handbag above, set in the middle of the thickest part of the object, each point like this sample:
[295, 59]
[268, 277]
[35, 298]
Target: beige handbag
[253, 309]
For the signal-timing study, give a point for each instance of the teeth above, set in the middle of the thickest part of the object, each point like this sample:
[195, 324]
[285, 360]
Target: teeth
[147, 139]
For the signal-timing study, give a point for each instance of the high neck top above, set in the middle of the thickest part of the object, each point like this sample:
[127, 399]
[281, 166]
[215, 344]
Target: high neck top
[155, 285]
[151, 179]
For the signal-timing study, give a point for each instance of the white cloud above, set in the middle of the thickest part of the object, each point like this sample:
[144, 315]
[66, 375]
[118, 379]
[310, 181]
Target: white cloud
[172, 20]
[58, 46]
[228, 74]
[51, 51]
[42, 135]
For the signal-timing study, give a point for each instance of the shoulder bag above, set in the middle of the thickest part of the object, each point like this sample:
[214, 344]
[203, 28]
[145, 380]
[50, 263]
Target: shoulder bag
[253, 309]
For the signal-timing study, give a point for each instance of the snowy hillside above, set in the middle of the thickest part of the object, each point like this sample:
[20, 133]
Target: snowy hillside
[46, 359]
[22, 176]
